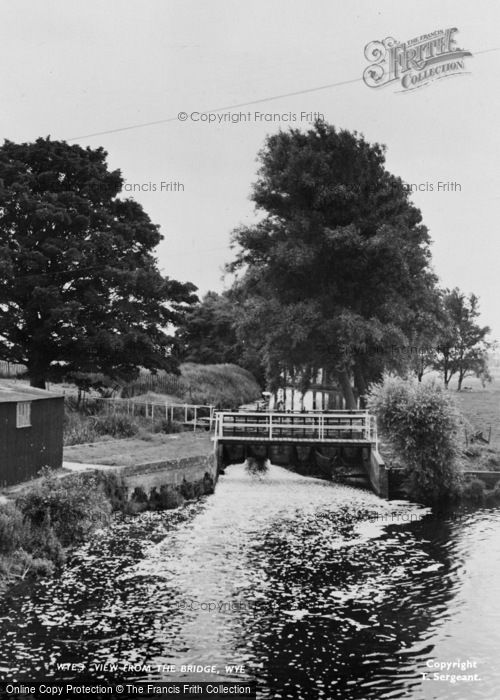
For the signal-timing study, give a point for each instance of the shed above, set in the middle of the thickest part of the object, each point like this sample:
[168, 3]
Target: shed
[31, 431]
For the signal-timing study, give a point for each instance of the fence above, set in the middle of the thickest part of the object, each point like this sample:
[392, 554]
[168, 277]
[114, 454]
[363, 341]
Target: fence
[11, 369]
[335, 426]
[164, 383]
[194, 415]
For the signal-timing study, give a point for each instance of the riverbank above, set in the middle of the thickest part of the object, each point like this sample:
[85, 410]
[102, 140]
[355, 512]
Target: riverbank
[41, 520]
[288, 577]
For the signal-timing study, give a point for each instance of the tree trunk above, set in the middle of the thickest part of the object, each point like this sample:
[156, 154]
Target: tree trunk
[37, 380]
[359, 380]
[37, 371]
[345, 385]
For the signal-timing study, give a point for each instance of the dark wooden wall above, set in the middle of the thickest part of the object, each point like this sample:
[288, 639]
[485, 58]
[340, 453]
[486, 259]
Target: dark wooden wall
[24, 451]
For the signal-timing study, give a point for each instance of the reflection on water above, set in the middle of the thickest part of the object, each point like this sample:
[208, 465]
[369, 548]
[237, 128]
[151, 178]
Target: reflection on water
[287, 577]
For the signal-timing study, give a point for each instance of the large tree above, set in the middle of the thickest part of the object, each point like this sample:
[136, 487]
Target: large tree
[207, 334]
[339, 259]
[463, 348]
[80, 290]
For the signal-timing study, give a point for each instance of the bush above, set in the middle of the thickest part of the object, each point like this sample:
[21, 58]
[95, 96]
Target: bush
[119, 426]
[114, 488]
[12, 528]
[422, 424]
[493, 495]
[474, 491]
[71, 507]
[78, 428]
[35, 566]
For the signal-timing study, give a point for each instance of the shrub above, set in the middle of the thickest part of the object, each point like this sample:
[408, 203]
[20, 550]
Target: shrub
[474, 491]
[36, 566]
[78, 428]
[422, 423]
[71, 507]
[493, 462]
[119, 426]
[43, 541]
[495, 493]
[12, 528]
[114, 488]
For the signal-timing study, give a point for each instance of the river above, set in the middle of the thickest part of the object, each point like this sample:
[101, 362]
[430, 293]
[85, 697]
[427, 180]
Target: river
[310, 588]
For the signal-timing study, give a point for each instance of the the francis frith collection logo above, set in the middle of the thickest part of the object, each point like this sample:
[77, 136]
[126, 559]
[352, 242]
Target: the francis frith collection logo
[416, 62]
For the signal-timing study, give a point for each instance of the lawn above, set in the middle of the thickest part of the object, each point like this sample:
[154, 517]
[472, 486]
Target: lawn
[481, 406]
[132, 451]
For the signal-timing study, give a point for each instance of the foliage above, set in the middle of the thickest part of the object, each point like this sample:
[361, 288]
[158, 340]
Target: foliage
[463, 349]
[12, 528]
[56, 513]
[88, 424]
[114, 488]
[474, 491]
[224, 385]
[422, 424]
[340, 259]
[80, 428]
[207, 335]
[80, 290]
[49, 516]
[71, 507]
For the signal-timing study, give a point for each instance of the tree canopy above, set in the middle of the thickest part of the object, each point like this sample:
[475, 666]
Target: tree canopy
[207, 334]
[463, 348]
[80, 290]
[340, 258]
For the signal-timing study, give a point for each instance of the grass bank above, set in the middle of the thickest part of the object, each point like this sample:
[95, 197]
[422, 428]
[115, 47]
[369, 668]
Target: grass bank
[224, 386]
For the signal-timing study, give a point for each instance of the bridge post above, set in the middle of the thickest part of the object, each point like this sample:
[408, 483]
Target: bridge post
[219, 458]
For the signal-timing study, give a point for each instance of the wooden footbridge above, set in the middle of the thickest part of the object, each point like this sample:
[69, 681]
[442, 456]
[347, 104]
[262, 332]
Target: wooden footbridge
[314, 440]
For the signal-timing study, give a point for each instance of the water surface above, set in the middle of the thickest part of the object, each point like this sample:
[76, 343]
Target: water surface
[287, 577]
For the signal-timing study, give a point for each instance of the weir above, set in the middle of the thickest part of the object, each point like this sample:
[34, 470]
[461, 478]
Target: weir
[323, 441]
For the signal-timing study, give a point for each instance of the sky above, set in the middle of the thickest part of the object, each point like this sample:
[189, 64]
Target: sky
[99, 72]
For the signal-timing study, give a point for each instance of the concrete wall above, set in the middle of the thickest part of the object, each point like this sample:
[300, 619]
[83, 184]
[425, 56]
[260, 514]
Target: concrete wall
[487, 477]
[377, 473]
[168, 473]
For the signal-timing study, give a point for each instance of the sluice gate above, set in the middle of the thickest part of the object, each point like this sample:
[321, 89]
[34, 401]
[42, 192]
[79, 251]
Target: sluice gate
[330, 443]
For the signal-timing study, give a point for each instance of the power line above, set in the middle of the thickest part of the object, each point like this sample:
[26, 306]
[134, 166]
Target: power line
[143, 125]
[217, 109]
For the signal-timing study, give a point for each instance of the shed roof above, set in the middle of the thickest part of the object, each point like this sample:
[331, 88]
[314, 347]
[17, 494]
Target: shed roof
[16, 391]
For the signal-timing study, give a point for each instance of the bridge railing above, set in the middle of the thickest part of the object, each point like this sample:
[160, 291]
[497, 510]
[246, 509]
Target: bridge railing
[337, 426]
